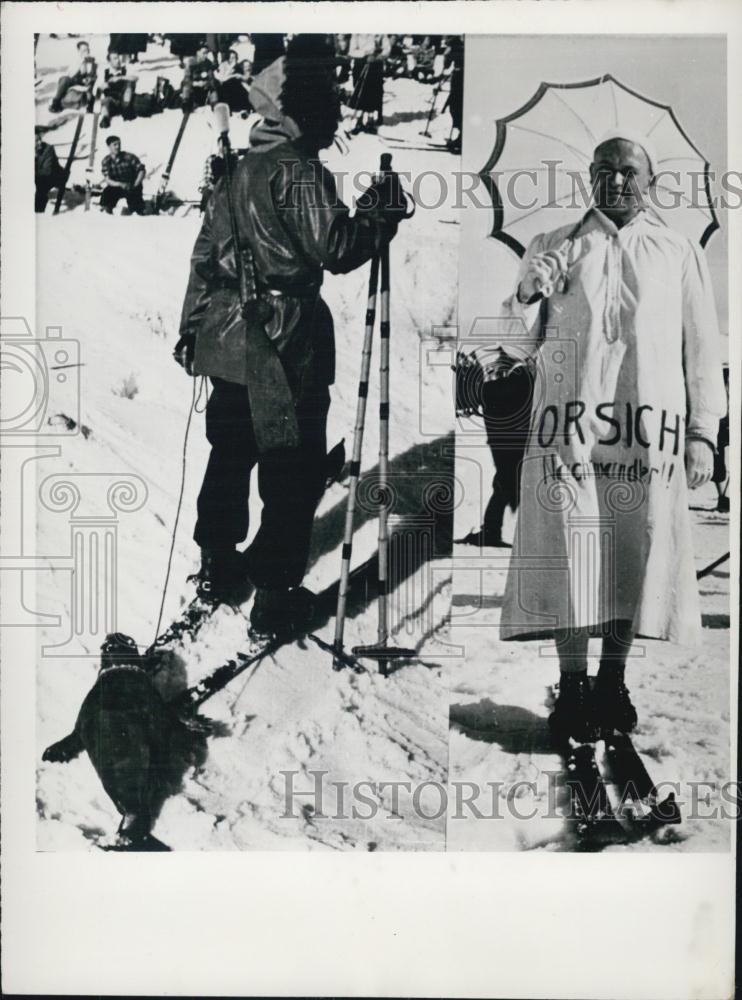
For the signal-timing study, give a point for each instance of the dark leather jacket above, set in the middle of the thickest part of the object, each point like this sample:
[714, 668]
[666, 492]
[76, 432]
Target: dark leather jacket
[288, 211]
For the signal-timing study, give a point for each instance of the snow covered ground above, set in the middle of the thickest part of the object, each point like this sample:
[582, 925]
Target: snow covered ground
[115, 284]
[500, 693]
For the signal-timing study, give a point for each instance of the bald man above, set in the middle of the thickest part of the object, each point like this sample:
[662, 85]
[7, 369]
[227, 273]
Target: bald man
[618, 315]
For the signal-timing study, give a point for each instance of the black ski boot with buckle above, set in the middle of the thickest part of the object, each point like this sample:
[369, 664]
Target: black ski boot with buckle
[611, 703]
[573, 715]
[222, 578]
[281, 613]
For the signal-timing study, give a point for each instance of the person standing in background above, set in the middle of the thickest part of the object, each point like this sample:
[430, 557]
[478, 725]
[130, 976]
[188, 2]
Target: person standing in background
[453, 65]
[368, 53]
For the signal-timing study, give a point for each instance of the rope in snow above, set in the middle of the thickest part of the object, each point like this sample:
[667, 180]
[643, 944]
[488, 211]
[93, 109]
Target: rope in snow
[193, 408]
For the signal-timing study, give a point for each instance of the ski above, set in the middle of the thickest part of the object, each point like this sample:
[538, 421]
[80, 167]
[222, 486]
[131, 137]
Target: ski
[340, 657]
[91, 159]
[259, 647]
[635, 798]
[589, 808]
[68, 164]
[162, 189]
[439, 148]
[189, 622]
[190, 700]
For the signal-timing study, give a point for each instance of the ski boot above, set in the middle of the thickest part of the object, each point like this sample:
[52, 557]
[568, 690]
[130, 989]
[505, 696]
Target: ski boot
[573, 716]
[222, 578]
[281, 613]
[612, 705]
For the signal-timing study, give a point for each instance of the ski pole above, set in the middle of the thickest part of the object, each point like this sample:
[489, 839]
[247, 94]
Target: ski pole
[432, 106]
[382, 651]
[162, 188]
[68, 165]
[384, 497]
[355, 462]
[91, 158]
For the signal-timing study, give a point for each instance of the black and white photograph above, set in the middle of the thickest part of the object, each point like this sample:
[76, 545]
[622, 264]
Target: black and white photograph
[369, 455]
[255, 363]
[591, 583]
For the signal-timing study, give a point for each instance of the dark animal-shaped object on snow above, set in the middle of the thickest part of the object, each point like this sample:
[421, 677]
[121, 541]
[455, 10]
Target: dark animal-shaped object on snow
[139, 748]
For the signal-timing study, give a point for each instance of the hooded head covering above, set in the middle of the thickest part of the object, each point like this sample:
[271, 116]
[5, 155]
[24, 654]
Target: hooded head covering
[296, 95]
[635, 136]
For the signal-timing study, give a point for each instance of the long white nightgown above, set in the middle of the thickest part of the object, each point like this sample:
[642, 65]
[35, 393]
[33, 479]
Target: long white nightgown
[628, 366]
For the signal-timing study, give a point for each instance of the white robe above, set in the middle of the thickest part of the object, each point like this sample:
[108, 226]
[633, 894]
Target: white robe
[628, 366]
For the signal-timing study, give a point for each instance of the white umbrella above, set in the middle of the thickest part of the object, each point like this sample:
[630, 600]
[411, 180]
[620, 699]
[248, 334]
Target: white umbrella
[538, 172]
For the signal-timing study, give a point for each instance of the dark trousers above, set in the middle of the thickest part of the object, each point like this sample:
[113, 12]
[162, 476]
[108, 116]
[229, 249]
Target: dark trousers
[507, 414]
[234, 93]
[198, 95]
[119, 99]
[290, 483]
[64, 85]
[110, 198]
[43, 187]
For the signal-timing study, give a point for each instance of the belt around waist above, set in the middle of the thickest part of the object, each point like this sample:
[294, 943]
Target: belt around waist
[301, 292]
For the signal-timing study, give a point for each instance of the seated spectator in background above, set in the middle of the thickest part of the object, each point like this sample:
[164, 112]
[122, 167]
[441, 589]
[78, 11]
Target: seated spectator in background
[425, 59]
[199, 83]
[396, 62]
[76, 87]
[213, 172]
[123, 175]
[233, 80]
[48, 172]
[117, 94]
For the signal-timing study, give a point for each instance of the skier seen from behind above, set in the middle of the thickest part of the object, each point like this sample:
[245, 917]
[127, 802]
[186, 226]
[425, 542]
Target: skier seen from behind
[271, 371]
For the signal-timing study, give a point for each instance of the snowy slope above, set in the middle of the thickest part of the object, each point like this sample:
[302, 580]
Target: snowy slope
[116, 284]
[500, 694]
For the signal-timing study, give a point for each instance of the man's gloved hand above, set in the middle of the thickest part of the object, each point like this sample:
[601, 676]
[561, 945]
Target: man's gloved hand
[385, 200]
[184, 351]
